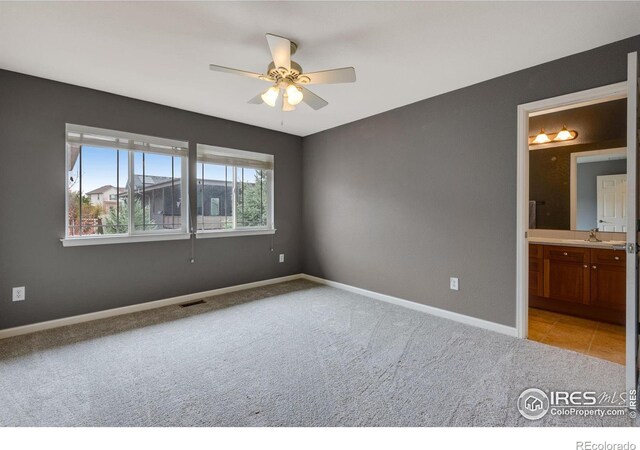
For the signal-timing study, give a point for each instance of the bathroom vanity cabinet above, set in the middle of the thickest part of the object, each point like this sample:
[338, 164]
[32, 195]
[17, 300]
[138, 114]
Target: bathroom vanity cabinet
[582, 281]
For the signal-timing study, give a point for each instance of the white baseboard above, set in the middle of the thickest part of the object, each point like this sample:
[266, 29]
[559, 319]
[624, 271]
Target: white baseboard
[468, 320]
[31, 328]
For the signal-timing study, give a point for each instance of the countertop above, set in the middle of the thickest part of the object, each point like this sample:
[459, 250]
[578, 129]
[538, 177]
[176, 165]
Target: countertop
[613, 245]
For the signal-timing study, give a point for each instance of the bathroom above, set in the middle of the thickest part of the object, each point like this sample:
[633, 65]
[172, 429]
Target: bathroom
[577, 228]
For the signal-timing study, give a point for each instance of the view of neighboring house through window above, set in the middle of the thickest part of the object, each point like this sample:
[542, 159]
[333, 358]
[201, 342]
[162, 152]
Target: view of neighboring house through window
[157, 191]
[234, 189]
[215, 197]
[94, 174]
[109, 170]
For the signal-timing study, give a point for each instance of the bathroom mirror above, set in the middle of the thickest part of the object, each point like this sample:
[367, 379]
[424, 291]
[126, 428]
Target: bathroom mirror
[579, 184]
[578, 190]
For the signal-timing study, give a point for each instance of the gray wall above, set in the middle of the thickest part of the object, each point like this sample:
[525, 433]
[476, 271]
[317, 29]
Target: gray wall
[399, 202]
[587, 173]
[61, 282]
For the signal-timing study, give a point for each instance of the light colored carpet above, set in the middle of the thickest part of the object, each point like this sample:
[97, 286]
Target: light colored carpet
[293, 354]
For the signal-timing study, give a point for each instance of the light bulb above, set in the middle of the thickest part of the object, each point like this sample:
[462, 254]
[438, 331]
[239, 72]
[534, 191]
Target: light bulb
[541, 138]
[270, 96]
[563, 135]
[286, 106]
[294, 94]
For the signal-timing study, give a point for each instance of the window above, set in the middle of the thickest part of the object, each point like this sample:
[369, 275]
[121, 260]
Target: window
[234, 190]
[107, 171]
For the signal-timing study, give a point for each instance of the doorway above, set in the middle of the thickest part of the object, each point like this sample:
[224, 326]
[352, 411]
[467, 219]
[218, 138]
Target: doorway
[570, 256]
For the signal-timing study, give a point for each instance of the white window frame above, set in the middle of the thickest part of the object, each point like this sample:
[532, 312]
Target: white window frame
[131, 143]
[238, 159]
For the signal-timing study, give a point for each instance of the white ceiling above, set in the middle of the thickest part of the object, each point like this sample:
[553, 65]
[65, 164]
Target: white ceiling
[402, 52]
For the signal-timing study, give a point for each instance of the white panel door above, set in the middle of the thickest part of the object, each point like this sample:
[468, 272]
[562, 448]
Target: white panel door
[632, 232]
[612, 202]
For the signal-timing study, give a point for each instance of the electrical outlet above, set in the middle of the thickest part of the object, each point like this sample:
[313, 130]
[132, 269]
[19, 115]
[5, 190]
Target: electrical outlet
[281, 257]
[453, 284]
[19, 294]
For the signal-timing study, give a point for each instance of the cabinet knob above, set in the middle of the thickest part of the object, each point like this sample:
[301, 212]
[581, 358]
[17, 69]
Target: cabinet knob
[565, 254]
[617, 258]
[586, 265]
[593, 267]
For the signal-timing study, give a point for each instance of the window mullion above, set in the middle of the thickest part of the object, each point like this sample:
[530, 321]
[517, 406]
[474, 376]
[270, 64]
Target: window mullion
[270, 212]
[131, 187]
[234, 203]
[202, 197]
[226, 197]
[117, 230]
[144, 196]
[173, 199]
[261, 196]
[185, 210]
[80, 190]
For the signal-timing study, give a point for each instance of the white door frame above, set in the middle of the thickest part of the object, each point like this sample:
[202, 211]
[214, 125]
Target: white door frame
[631, 363]
[563, 102]
[573, 177]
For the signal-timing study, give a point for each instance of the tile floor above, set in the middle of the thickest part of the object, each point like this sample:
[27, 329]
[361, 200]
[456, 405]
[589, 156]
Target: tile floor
[593, 338]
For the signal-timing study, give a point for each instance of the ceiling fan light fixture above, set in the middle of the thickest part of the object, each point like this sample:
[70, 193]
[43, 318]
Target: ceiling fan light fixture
[286, 104]
[270, 96]
[294, 94]
[541, 138]
[287, 76]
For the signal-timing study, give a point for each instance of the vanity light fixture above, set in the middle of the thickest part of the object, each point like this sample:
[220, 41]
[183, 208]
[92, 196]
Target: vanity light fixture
[541, 138]
[565, 135]
[545, 138]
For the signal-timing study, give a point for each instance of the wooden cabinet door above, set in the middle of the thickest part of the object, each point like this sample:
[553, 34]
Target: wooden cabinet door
[608, 279]
[566, 274]
[536, 270]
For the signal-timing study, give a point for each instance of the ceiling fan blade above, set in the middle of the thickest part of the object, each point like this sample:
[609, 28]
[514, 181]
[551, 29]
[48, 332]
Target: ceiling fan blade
[280, 50]
[312, 99]
[257, 100]
[344, 75]
[244, 73]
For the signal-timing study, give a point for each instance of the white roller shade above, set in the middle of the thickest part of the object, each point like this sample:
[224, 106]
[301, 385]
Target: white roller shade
[209, 154]
[78, 135]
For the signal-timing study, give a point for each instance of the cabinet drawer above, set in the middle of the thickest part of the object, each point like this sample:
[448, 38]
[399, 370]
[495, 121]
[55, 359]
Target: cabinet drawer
[567, 254]
[606, 256]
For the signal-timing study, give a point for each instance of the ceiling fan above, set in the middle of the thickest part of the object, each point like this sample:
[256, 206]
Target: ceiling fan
[287, 76]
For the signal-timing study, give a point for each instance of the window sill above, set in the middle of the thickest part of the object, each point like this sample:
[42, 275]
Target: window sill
[232, 233]
[102, 240]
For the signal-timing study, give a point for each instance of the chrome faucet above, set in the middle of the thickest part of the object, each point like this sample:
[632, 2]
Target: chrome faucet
[592, 236]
